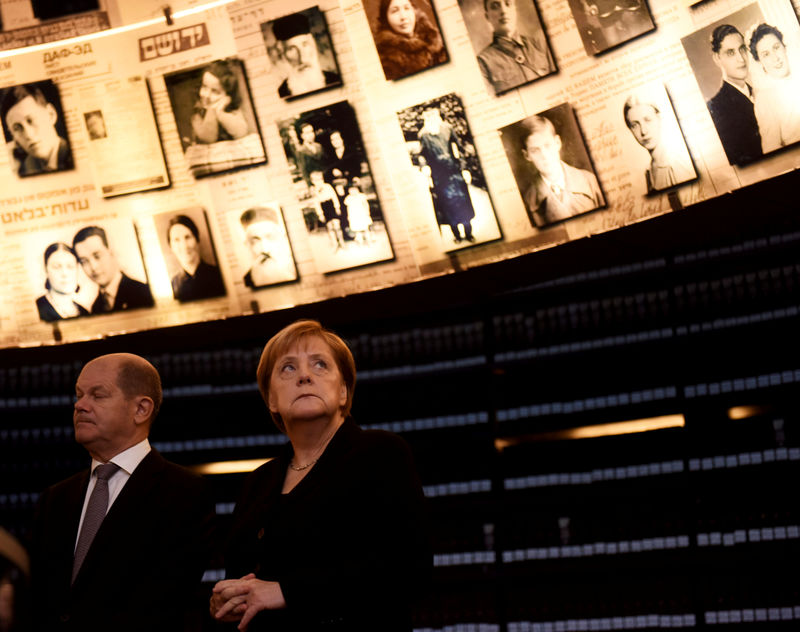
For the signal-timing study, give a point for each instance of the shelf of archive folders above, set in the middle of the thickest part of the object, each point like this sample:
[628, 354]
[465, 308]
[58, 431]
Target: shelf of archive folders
[595, 528]
[594, 499]
[742, 474]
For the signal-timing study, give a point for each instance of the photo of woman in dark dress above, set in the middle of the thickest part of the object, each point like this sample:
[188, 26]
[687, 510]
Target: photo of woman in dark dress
[450, 194]
[58, 303]
[407, 40]
[196, 279]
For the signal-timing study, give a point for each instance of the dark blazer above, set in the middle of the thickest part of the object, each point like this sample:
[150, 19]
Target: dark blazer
[145, 564]
[735, 119]
[131, 294]
[348, 545]
[206, 282]
[49, 314]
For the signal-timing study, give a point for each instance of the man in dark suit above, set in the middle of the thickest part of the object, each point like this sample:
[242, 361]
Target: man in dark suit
[142, 567]
[732, 107]
[117, 290]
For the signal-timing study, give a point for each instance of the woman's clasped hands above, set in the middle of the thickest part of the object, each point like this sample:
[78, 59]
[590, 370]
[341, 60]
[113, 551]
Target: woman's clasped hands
[241, 599]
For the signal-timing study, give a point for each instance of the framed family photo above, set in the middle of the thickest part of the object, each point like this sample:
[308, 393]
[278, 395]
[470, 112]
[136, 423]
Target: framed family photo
[335, 189]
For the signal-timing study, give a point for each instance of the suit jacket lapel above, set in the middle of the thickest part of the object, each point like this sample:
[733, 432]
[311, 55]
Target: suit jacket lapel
[131, 500]
[70, 511]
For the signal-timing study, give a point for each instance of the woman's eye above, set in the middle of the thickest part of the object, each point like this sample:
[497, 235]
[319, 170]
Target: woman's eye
[320, 364]
[287, 368]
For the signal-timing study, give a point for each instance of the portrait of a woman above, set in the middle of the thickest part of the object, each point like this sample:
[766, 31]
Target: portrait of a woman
[450, 193]
[196, 279]
[670, 163]
[331, 534]
[217, 112]
[777, 105]
[407, 40]
[58, 302]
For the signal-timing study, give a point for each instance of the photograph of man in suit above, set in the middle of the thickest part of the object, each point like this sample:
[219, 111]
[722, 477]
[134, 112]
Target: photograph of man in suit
[513, 58]
[116, 290]
[30, 121]
[123, 544]
[558, 189]
[732, 108]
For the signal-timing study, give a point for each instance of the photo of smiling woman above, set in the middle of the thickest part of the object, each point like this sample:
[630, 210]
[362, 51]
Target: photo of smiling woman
[407, 36]
[187, 252]
[61, 267]
[649, 116]
[777, 90]
[215, 117]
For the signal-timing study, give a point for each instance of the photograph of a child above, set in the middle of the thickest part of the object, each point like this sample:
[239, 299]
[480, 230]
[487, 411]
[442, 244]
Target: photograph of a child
[214, 114]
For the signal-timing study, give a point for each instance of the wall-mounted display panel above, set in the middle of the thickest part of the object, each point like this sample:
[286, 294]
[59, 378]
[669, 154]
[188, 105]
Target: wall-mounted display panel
[353, 183]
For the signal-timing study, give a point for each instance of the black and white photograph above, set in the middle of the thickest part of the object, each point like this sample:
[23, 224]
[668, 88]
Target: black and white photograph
[406, 35]
[442, 150]
[510, 42]
[189, 255]
[124, 147]
[300, 48]
[262, 245]
[606, 24]
[214, 114]
[743, 66]
[94, 268]
[95, 124]
[34, 128]
[655, 141]
[551, 165]
[60, 300]
[335, 188]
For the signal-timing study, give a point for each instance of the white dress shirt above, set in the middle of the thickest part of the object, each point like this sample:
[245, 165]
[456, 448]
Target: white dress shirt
[128, 460]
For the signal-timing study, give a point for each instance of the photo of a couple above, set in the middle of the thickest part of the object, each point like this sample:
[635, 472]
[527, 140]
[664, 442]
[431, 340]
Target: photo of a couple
[743, 65]
[86, 273]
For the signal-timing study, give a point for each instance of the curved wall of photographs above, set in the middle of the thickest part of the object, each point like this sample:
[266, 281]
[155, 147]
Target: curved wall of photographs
[241, 158]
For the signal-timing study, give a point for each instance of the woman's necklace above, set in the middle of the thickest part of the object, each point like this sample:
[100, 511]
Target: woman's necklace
[300, 468]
